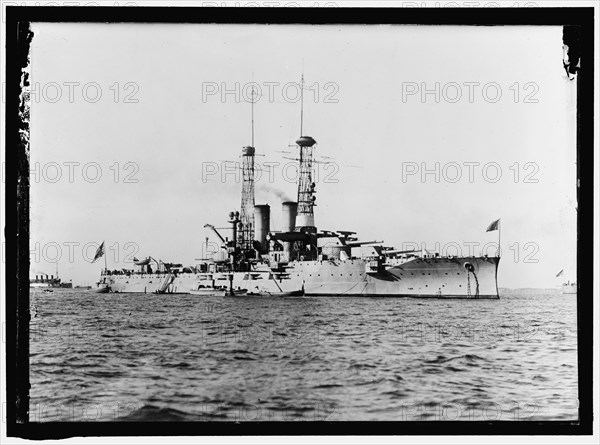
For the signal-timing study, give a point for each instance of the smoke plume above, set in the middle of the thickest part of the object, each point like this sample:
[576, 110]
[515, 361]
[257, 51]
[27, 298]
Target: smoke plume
[279, 194]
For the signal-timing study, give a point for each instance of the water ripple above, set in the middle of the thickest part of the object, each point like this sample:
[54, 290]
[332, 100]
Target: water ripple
[132, 357]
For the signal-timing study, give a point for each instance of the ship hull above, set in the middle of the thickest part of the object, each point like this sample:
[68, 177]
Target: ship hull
[418, 277]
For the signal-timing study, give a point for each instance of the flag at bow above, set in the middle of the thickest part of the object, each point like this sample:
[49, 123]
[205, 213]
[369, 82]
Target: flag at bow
[493, 226]
[99, 252]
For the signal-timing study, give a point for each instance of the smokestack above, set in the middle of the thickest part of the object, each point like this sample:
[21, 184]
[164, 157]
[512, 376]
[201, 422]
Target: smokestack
[289, 210]
[262, 219]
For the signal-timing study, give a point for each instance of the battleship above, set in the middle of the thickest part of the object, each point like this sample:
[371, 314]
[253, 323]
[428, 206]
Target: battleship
[45, 281]
[300, 258]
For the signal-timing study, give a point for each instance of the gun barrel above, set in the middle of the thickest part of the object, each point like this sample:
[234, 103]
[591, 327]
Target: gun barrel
[395, 252]
[361, 243]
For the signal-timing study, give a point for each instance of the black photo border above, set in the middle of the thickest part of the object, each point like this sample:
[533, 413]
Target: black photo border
[18, 19]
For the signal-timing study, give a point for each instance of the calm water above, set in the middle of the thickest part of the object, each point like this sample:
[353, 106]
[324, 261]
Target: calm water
[183, 357]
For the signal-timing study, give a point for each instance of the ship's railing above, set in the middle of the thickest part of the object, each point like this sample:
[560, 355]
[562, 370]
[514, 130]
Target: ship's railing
[178, 270]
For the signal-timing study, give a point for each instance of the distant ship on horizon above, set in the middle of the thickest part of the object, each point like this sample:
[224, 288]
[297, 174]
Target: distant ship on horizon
[568, 287]
[44, 281]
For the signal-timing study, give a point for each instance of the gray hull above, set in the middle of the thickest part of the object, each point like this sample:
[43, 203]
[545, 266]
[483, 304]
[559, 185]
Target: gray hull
[417, 277]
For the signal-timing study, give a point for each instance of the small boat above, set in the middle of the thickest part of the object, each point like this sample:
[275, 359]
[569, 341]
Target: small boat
[208, 291]
[142, 262]
[235, 292]
[265, 293]
[48, 291]
[100, 290]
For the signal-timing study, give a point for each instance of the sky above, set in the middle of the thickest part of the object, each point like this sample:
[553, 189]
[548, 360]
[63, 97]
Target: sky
[132, 125]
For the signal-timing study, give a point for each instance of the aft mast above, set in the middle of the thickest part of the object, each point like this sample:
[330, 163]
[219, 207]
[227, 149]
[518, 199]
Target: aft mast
[305, 219]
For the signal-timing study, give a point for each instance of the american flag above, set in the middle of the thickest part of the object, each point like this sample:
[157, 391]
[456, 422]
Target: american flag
[493, 226]
[99, 252]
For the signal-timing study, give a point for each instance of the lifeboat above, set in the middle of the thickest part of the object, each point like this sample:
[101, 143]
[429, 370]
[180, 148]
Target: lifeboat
[142, 262]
